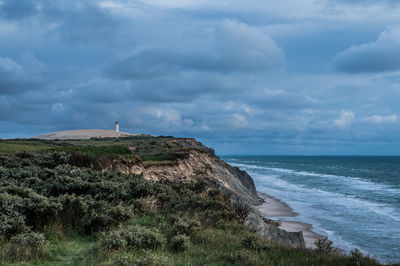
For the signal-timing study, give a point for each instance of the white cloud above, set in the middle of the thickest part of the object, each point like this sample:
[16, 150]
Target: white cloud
[239, 121]
[205, 128]
[379, 119]
[345, 119]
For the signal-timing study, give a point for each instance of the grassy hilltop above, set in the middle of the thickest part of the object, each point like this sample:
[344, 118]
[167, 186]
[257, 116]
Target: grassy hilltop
[59, 206]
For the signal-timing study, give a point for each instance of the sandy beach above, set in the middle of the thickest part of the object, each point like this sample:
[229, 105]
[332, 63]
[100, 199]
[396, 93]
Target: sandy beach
[273, 208]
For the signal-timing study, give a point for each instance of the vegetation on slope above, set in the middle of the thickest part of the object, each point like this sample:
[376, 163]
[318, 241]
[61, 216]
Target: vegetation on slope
[56, 210]
[147, 148]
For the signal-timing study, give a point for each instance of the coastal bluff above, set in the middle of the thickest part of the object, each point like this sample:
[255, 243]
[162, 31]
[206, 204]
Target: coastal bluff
[187, 160]
[200, 162]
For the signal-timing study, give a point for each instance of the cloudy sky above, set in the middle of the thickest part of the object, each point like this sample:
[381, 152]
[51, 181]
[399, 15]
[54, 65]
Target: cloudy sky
[245, 77]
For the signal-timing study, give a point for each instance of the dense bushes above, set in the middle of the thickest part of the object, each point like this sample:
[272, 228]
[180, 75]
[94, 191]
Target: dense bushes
[180, 243]
[43, 190]
[242, 208]
[134, 236]
[36, 191]
[254, 243]
[325, 247]
[185, 226]
[24, 247]
[96, 150]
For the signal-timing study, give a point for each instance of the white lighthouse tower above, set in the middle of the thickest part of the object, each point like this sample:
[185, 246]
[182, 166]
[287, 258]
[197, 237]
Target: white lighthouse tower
[116, 127]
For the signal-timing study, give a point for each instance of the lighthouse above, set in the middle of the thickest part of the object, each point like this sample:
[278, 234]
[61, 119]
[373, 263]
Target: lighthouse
[116, 127]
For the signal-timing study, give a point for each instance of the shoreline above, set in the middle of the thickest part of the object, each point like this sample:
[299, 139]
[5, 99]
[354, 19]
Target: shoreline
[274, 208]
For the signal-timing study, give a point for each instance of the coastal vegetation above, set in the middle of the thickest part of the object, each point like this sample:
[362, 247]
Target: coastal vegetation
[61, 204]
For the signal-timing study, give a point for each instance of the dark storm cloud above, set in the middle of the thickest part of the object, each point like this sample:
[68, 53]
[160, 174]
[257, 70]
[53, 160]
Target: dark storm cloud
[17, 9]
[14, 78]
[81, 21]
[178, 88]
[230, 46]
[379, 56]
[144, 65]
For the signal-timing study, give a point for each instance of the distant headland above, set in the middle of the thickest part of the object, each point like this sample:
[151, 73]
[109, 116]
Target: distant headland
[83, 134]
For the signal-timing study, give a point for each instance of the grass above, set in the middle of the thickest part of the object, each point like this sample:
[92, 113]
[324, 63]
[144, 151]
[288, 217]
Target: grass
[12, 147]
[210, 246]
[151, 150]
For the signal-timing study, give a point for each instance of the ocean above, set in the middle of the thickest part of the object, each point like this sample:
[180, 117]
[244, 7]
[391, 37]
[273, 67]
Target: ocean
[354, 200]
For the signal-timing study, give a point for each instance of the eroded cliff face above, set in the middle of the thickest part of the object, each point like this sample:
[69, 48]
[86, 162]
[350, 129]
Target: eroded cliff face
[200, 162]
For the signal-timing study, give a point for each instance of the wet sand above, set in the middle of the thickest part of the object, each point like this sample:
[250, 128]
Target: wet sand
[274, 208]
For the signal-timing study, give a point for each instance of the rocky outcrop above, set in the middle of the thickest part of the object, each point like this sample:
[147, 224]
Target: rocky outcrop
[271, 232]
[200, 162]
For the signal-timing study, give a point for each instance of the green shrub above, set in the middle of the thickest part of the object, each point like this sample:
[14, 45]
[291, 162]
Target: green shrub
[120, 260]
[29, 240]
[180, 243]
[324, 247]
[237, 258]
[241, 208]
[151, 259]
[198, 186]
[121, 212]
[114, 241]
[134, 236]
[12, 223]
[24, 205]
[357, 258]
[80, 159]
[185, 226]
[254, 243]
[142, 237]
[213, 193]
[25, 247]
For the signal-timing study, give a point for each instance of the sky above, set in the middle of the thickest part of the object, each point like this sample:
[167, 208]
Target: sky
[288, 77]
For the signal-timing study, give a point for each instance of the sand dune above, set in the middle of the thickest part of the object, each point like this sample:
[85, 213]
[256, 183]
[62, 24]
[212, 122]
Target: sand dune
[83, 134]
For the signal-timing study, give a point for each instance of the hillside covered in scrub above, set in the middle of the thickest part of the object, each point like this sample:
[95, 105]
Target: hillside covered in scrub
[138, 200]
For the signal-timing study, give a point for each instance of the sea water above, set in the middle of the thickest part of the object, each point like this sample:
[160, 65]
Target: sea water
[355, 201]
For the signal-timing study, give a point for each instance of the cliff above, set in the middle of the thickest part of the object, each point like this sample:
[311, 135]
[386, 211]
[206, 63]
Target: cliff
[200, 162]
